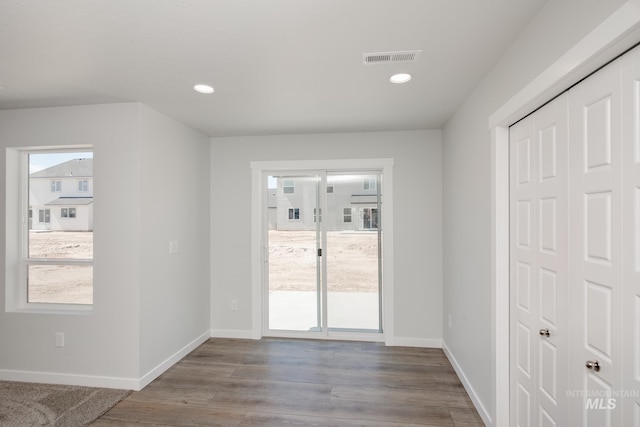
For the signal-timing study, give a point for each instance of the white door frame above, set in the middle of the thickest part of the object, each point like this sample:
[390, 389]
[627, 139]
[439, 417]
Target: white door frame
[613, 36]
[257, 224]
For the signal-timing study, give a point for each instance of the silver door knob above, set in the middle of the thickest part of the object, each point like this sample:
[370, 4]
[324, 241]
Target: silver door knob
[593, 364]
[544, 332]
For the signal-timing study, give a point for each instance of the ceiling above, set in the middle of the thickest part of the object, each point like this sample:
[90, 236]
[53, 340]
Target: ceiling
[277, 66]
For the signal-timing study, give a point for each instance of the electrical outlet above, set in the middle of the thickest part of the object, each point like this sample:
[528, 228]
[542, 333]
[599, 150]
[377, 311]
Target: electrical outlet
[234, 305]
[59, 339]
[173, 247]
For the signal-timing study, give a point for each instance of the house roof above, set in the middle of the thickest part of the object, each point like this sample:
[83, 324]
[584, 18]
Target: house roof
[81, 168]
[70, 201]
[277, 66]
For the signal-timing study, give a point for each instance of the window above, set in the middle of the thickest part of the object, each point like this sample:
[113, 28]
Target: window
[68, 212]
[44, 216]
[294, 213]
[83, 186]
[288, 186]
[329, 188]
[370, 183]
[346, 215]
[51, 270]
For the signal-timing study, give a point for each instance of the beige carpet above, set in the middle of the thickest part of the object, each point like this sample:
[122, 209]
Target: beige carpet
[29, 404]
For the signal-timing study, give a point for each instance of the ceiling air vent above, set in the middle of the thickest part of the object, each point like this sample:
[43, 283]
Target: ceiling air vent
[391, 57]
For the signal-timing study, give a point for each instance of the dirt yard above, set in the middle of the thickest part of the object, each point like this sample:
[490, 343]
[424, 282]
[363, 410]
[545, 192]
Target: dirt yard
[352, 261]
[61, 283]
[352, 264]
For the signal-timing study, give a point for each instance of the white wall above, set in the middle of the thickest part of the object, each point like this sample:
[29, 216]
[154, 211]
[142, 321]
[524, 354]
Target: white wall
[417, 229]
[103, 344]
[174, 206]
[151, 186]
[467, 191]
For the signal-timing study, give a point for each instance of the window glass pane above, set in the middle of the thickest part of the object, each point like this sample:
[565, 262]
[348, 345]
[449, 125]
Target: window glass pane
[61, 228]
[60, 284]
[60, 231]
[61, 244]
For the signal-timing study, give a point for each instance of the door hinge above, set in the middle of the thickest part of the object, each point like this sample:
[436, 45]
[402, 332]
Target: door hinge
[319, 252]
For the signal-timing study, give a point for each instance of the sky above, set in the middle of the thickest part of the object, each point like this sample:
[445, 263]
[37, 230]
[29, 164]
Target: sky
[39, 161]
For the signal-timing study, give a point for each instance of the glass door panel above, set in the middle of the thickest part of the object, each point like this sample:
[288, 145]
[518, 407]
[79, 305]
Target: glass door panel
[294, 297]
[353, 252]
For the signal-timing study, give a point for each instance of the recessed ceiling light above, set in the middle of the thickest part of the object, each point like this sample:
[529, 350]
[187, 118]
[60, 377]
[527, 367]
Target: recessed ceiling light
[400, 78]
[203, 89]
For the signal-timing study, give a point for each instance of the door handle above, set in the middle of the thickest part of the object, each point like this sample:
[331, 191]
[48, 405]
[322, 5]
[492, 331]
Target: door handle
[593, 364]
[544, 332]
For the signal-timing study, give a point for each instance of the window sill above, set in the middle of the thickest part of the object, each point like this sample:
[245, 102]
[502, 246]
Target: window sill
[64, 309]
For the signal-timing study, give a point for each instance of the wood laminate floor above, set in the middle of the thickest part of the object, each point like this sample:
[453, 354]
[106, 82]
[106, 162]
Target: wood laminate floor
[283, 382]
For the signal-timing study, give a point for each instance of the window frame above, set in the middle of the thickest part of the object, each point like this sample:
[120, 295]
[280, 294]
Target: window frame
[44, 216]
[370, 183]
[292, 214]
[292, 187]
[82, 186]
[68, 212]
[56, 186]
[349, 215]
[17, 218]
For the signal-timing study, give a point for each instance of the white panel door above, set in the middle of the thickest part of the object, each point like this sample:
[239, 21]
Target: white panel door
[631, 238]
[575, 255]
[595, 284]
[539, 273]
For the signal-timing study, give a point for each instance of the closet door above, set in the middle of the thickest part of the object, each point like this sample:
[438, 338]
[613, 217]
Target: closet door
[631, 237]
[539, 274]
[595, 283]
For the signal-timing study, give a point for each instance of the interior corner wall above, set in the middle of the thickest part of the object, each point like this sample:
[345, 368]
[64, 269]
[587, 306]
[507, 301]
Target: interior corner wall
[467, 191]
[174, 201]
[417, 192]
[100, 347]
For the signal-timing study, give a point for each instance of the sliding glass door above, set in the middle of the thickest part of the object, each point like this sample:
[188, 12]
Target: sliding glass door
[294, 279]
[323, 252]
[353, 248]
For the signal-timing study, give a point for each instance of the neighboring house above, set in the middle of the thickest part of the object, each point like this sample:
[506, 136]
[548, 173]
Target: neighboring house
[351, 204]
[61, 197]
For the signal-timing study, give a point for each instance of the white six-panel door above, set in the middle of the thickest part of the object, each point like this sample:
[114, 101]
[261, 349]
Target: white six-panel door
[595, 283]
[539, 267]
[630, 76]
[575, 255]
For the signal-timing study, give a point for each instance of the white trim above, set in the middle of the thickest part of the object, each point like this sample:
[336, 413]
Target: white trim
[240, 334]
[482, 411]
[614, 35]
[500, 271]
[417, 342]
[69, 379]
[154, 373]
[257, 224]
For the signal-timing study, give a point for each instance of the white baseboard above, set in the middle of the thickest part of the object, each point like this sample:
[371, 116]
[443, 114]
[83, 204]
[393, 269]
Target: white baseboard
[233, 333]
[68, 379]
[172, 360]
[101, 381]
[484, 414]
[415, 342]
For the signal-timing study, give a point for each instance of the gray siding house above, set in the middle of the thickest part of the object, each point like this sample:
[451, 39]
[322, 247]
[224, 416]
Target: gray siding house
[61, 197]
[352, 203]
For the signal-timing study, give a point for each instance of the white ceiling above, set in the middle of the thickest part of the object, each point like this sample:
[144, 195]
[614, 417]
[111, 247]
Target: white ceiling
[278, 66]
